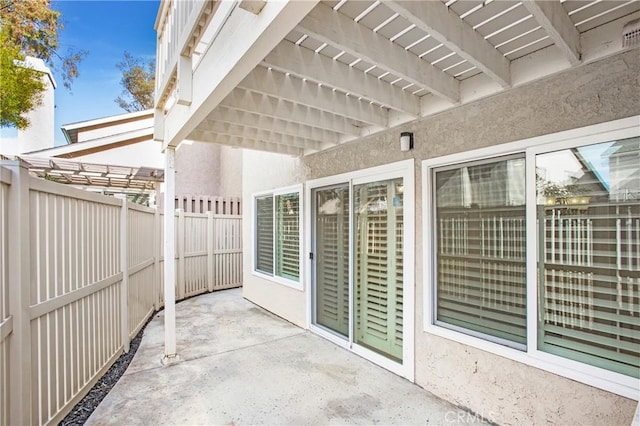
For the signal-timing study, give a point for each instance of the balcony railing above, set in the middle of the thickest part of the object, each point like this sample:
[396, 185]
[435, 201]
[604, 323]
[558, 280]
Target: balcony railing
[180, 27]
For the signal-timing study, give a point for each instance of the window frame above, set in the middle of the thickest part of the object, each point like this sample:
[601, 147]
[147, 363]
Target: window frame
[594, 376]
[294, 189]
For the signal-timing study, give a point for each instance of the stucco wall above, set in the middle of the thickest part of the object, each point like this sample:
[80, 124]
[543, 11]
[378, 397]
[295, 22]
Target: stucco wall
[230, 171]
[263, 172]
[503, 390]
[198, 169]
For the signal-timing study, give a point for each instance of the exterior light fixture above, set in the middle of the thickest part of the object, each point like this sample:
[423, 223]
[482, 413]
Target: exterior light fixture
[406, 141]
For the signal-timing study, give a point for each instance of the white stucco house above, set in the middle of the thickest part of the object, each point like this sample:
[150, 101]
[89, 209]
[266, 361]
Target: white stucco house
[446, 188]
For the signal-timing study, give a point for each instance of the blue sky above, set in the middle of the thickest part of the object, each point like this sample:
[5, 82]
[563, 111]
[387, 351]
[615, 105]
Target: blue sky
[106, 29]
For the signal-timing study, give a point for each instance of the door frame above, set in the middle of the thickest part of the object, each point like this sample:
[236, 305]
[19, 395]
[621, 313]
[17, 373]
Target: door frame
[402, 169]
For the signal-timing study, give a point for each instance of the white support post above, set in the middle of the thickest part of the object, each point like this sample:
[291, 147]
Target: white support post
[210, 247]
[169, 254]
[19, 239]
[124, 265]
[181, 262]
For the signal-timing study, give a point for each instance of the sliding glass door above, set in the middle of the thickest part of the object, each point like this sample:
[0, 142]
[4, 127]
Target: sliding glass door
[357, 241]
[378, 216]
[332, 258]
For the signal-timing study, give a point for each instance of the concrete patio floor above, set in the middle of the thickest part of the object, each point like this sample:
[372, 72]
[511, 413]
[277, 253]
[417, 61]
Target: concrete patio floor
[241, 365]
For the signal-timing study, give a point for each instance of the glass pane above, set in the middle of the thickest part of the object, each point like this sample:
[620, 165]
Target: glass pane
[332, 258]
[288, 236]
[480, 246]
[264, 234]
[589, 254]
[378, 266]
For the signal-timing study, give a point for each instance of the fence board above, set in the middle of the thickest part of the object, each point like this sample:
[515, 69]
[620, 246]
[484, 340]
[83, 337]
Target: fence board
[79, 311]
[6, 322]
[141, 252]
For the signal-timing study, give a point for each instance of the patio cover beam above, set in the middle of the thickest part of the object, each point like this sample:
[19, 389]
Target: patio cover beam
[240, 142]
[256, 121]
[244, 100]
[241, 131]
[279, 85]
[553, 17]
[305, 63]
[436, 19]
[242, 42]
[336, 29]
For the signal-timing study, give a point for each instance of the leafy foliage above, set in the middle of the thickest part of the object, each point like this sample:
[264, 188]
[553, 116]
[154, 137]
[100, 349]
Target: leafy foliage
[20, 88]
[30, 28]
[138, 83]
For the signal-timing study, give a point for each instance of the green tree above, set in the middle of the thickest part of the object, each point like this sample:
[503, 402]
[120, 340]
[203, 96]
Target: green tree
[29, 28]
[138, 83]
[20, 88]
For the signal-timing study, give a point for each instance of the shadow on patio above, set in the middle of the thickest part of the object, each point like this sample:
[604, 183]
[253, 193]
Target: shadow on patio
[239, 364]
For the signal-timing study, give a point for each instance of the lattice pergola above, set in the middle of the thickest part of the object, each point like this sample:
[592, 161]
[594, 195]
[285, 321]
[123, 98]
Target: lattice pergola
[137, 182]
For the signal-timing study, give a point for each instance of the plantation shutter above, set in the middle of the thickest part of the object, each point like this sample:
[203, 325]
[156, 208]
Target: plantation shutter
[264, 234]
[332, 259]
[589, 251]
[378, 263]
[480, 246]
[288, 236]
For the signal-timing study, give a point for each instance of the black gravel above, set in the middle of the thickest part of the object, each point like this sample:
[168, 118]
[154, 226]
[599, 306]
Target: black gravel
[83, 409]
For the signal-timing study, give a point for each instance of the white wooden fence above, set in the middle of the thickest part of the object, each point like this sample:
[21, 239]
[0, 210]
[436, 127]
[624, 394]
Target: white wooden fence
[80, 274]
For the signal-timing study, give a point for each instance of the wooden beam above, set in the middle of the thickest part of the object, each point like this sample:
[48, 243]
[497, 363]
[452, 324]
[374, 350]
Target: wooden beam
[305, 63]
[253, 6]
[252, 133]
[446, 26]
[279, 85]
[244, 100]
[241, 43]
[552, 16]
[336, 29]
[212, 137]
[247, 119]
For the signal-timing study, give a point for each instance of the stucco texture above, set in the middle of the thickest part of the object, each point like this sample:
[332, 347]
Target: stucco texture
[264, 172]
[503, 390]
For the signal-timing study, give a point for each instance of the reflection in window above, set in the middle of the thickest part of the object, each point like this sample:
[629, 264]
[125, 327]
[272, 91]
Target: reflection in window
[589, 251]
[480, 241]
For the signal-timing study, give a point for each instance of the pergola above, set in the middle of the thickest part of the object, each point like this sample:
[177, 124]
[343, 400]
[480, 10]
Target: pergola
[136, 182]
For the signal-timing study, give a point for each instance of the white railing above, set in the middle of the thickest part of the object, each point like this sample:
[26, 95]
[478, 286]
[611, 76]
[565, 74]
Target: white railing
[177, 22]
[80, 274]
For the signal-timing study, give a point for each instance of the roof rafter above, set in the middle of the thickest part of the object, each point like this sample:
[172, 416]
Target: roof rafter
[279, 85]
[222, 128]
[305, 63]
[271, 124]
[244, 100]
[334, 28]
[554, 19]
[212, 137]
[435, 18]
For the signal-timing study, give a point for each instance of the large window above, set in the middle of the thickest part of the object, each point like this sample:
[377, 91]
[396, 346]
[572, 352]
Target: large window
[588, 210]
[535, 253]
[277, 235]
[480, 237]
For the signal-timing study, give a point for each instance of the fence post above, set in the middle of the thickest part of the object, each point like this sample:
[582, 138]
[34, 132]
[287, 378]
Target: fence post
[19, 241]
[210, 248]
[124, 265]
[157, 250]
[181, 270]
